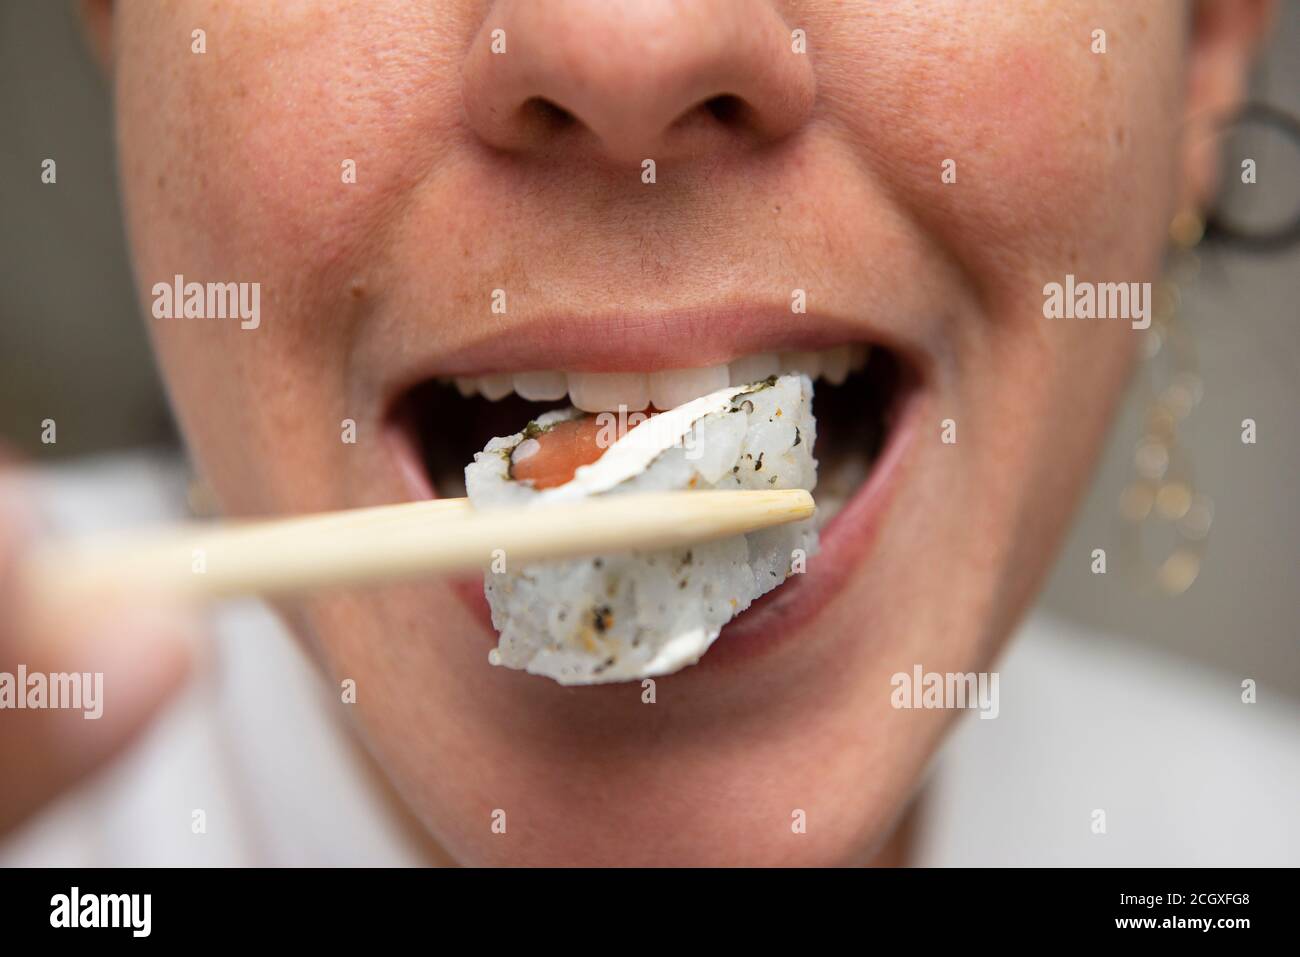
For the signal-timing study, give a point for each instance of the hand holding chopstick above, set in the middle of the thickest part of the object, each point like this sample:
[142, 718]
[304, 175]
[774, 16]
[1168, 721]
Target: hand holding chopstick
[396, 542]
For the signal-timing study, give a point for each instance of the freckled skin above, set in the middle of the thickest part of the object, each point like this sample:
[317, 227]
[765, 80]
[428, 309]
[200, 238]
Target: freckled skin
[231, 168]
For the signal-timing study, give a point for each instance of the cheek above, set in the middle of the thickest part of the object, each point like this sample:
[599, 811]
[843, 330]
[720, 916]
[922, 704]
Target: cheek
[292, 140]
[1059, 153]
[233, 169]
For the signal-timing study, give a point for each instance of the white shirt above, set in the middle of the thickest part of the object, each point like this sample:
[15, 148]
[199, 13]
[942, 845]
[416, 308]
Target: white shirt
[1185, 773]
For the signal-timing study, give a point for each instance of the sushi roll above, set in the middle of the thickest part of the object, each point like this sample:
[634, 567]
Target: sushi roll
[635, 615]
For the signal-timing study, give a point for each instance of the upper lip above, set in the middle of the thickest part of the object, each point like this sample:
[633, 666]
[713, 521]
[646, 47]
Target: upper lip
[640, 341]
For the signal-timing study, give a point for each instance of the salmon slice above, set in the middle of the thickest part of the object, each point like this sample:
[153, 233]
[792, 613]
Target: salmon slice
[552, 457]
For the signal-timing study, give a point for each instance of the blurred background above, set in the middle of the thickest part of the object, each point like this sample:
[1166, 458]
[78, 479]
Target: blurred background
[72, 348]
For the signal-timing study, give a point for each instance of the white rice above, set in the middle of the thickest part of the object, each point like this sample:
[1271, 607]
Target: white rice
[634, 615]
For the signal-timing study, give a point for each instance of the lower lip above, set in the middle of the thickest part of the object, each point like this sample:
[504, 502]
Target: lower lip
[845, 542]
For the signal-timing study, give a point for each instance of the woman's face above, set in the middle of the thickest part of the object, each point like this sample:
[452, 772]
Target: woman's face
[822, 171]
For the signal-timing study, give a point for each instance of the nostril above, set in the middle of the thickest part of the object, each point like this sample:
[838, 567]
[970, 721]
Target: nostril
[547, 115]
[726, 109]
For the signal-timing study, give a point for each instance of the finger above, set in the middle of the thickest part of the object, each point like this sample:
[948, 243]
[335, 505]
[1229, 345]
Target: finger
[77, 684]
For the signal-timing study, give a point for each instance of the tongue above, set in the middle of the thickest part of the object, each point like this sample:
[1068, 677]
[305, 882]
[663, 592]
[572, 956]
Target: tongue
[553, 457]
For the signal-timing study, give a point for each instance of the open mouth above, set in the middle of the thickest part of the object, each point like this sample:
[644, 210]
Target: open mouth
[859, 391]
[863, 402]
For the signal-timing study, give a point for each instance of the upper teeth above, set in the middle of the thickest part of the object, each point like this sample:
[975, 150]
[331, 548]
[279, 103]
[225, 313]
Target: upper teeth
[602, 391]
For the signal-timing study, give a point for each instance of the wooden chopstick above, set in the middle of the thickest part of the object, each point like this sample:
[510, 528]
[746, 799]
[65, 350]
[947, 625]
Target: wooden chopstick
[391, 543]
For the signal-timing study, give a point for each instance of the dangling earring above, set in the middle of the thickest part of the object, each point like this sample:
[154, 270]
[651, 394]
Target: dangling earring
[1162, 499]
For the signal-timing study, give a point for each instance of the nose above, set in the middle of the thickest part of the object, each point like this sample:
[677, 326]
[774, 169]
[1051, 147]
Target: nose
[628, 80]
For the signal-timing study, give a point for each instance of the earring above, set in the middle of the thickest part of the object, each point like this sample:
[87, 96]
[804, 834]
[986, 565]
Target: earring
[1161, 501]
